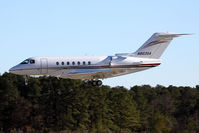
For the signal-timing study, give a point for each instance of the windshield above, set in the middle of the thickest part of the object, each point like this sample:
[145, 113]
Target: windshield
[25, 62]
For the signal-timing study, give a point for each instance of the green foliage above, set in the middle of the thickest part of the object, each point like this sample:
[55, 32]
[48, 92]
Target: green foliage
[48, 104]
[160, 123]
[125, 114]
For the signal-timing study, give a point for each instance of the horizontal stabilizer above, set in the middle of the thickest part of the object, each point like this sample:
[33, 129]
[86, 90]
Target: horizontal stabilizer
[170, 35]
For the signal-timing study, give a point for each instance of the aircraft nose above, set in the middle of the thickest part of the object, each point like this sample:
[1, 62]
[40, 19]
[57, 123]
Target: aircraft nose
[13, 70]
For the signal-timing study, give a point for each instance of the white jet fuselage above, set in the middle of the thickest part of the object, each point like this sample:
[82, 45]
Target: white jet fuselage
[84, 67]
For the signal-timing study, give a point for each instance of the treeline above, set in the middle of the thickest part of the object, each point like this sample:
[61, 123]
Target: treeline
[48, 104]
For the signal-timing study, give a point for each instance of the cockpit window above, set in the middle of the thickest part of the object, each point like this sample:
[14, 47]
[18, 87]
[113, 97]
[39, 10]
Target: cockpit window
[25, 61]
[32, 61]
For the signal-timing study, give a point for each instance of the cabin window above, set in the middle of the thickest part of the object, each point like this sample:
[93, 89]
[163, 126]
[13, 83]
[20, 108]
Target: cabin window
[89, 63]
[68, 63]
[73, 63]
[84, 63]
[62, 63]
[78, 63]
[32, 61]
[25, 62]
[57, 63]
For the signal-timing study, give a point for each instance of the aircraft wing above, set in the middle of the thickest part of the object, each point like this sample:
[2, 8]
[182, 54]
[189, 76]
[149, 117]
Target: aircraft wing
[93, 73]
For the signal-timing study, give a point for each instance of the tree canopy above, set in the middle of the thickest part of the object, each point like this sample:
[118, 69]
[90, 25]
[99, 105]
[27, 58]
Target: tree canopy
[48, 104]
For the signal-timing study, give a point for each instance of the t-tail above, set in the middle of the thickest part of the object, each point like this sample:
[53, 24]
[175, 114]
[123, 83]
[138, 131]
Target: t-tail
[155, 45]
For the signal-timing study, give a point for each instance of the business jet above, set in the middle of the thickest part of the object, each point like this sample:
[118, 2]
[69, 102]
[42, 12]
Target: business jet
[95, 68]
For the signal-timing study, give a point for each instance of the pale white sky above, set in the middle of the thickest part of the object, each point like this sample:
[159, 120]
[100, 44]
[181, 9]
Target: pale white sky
[70, 28]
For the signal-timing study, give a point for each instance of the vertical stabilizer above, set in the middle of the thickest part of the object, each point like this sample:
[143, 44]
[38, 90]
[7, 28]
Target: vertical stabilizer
[156, 45]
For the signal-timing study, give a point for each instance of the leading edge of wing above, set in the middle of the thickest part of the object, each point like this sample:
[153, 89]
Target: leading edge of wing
[96, 73]
[90, 73]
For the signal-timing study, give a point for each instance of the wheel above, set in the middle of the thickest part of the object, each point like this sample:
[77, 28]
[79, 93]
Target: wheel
[99, 82]
[94, 83]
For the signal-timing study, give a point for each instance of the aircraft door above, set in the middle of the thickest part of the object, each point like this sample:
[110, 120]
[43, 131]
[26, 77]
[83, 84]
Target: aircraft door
[44, 65]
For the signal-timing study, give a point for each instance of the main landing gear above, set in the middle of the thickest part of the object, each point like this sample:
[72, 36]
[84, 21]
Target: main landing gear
[95, 82]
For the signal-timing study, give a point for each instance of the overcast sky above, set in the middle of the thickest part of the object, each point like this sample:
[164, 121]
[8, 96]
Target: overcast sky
[80, 27]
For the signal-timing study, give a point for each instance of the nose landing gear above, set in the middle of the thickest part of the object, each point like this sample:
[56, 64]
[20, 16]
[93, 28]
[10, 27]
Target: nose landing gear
[26, 79]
